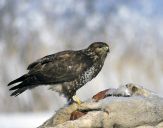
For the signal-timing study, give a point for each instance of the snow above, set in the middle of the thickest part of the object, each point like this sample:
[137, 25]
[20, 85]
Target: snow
[23, 120]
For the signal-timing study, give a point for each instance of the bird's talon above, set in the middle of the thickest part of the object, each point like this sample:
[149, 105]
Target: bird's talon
[77, 100]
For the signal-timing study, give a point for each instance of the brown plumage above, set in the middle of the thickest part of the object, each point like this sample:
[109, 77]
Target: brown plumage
[65, 71]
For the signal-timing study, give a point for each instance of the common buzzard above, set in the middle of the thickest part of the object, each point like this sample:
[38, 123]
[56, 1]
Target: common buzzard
[66, 71]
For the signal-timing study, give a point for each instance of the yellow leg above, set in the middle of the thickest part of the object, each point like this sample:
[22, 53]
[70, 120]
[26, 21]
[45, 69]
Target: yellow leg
[77, 100]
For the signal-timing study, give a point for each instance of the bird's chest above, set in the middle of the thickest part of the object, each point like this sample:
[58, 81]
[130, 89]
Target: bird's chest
[70, 88]
[89, 74]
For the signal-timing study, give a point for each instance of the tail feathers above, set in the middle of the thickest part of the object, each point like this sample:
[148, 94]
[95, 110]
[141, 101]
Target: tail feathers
[21, 85]
[19, 79]
[18, 91]
[27, 82]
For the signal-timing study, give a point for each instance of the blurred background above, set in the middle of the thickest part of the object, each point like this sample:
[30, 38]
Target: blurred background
[31, 29]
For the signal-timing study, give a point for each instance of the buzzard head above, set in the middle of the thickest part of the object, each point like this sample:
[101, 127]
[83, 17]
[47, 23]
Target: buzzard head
[98, 50]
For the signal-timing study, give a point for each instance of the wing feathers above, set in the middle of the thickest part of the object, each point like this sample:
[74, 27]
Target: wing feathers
[18, 91]
[53, 69]
[27, 82]
[18, 79]
[43, 60]
[32, 65]
[20, 88]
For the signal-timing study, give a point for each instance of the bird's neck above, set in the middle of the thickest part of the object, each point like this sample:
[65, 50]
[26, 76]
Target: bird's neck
[91, 55]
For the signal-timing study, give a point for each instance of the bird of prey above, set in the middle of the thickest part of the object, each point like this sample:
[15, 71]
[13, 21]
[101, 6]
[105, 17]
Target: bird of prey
[65, 71]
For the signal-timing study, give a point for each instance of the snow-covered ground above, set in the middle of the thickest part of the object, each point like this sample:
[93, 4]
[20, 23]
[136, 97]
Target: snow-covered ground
[23, 120]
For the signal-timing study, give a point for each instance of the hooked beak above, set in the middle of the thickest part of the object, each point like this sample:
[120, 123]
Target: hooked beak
[107, 49]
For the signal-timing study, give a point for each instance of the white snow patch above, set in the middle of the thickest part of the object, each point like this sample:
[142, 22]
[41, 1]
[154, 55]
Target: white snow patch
[23, 120]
